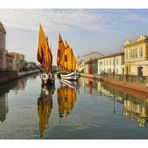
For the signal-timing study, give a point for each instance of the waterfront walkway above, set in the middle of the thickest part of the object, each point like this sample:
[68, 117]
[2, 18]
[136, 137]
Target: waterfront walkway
[14, 76]
[122, 84]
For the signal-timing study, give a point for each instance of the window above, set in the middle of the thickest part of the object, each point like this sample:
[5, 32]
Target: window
[117, 62]
[126, 55]
[141, 52]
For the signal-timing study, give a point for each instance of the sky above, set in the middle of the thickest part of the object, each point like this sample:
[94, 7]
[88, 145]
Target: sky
[86, 30]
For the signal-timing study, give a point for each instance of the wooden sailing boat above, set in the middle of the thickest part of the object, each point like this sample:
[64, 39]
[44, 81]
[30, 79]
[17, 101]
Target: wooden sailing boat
[67, 61]
[44, 57]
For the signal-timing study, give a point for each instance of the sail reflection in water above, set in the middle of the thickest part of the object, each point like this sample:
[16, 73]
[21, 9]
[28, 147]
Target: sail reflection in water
[66, 96]
[45, 107]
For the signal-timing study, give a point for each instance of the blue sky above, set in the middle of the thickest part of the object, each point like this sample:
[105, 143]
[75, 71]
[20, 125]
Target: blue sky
[86, 30]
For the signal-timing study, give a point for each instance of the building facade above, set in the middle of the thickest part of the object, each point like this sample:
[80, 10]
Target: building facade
[111, 64]
[88, 63]
[2, 47]
[136, 56]
[22, 61]
[17, 61]
[9, 61]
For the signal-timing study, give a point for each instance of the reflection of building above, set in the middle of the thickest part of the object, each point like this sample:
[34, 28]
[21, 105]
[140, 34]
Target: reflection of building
[66, 99]
[2, 47]
[136, 56]
[136, 108]
[3, 107]
[88, 63]
[89, 86]
[44, 108]
[111, 64]
[20, 84]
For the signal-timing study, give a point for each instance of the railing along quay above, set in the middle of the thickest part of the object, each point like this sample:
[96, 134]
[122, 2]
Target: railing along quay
[135, 83]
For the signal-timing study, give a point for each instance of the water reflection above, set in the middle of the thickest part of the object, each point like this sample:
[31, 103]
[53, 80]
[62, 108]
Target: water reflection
[135, 107]
[89, 86]
[45, 107]
[4, 91]
[3, 107]
[67, 97]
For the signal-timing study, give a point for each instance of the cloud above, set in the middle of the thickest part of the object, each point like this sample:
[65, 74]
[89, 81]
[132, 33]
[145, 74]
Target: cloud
[52, 19]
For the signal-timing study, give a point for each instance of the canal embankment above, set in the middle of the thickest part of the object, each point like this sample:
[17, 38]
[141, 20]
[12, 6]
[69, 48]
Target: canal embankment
[6, 77]
[143, 88]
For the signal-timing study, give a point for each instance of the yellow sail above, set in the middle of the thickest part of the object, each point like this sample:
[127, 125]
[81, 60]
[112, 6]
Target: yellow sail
[61, 49]
[44, 54]
[68, 61]
[66, 98]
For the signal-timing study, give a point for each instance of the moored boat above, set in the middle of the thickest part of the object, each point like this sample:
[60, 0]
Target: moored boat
[66, 60]
[44, 57]
[74, 76]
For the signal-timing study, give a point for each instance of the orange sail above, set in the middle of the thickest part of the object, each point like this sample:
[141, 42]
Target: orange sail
[68, 60]
[61, 49]
[44, 54]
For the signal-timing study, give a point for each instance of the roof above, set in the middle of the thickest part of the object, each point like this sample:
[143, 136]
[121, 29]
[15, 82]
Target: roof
[10, 55]
[2, 29]
[93, 52]
[16, 53]
[112, 55]
[93, 55]
[140, 39]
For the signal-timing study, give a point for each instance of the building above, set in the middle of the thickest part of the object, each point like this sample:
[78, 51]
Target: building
[88, 63]
[136, 56]
[18, 60]
[2, 47]
[9, 61]
[110, 64]
[22, 61]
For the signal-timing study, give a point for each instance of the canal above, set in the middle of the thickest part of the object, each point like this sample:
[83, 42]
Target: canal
[85, 110]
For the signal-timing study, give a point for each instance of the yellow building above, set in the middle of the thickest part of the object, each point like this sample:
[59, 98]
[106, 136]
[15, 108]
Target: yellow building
[136, 56]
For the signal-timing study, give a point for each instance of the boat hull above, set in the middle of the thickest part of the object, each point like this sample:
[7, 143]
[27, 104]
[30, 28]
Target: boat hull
[73, 76]
[47, 80]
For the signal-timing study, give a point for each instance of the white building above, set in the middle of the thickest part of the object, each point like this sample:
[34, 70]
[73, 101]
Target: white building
[111, 64]
[83, 64]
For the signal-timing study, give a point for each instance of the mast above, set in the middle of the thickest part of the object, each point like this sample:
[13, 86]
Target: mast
[61, 49]
[44, 54]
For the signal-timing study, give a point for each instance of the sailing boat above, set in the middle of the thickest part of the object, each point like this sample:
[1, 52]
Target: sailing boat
[67, 61]
[44, 57]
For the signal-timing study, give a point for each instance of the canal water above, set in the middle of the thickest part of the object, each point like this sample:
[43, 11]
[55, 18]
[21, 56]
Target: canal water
[85, 110]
